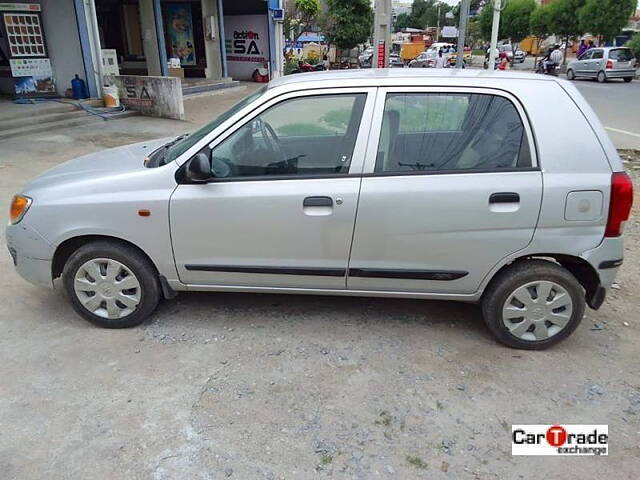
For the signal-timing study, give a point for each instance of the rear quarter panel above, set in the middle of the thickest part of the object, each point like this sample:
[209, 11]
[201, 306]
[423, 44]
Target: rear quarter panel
[575, 154]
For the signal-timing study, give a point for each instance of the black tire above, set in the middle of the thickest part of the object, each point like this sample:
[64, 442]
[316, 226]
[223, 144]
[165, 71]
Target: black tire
[570, 74]
[602, 77]
[135, 261]
[628, 79]
[521, 273]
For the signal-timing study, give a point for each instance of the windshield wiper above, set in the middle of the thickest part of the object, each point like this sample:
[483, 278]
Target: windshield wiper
[175, 140]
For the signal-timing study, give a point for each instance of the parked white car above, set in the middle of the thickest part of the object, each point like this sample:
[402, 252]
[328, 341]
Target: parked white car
[406, 183]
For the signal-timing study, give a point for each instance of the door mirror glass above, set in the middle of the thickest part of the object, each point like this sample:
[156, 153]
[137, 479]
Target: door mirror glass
[199, 168]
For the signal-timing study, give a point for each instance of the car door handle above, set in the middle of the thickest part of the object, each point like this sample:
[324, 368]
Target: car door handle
[504, 197]
[318, 202]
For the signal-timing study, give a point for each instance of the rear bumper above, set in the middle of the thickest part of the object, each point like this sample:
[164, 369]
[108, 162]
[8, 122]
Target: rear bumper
[606, 260]
[620, 73]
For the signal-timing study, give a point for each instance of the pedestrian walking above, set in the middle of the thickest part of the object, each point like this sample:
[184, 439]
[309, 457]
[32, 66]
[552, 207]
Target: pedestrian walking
[440, 60]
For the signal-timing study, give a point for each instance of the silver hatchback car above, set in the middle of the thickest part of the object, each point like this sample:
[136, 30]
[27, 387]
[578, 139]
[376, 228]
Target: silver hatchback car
[604, 64]
[429, 184]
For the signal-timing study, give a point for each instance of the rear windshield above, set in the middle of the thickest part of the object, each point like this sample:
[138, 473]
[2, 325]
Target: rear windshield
[621, 54]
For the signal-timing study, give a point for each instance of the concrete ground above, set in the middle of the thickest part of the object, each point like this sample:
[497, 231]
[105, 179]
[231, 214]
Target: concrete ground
[246, 386]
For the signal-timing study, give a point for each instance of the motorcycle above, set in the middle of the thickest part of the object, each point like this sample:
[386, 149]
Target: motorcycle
[550, 69]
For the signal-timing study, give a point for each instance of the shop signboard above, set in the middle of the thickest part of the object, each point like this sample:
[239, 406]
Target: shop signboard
[19, 7]
[180, 32]
[247, 44]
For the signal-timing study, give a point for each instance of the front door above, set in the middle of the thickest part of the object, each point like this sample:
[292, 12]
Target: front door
[452, 189]
[280, 210]
[582, 65]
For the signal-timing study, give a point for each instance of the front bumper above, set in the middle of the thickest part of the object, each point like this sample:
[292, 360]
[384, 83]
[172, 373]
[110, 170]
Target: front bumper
[32, 255]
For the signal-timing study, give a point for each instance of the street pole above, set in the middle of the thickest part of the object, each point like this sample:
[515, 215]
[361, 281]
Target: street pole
[382, 33]
[462, 32]
[494, 34]
[438, 25]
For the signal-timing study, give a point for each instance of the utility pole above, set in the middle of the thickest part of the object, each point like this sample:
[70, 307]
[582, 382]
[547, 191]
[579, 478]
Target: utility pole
[381, 34]
[462, 31]
[494, 34]
[438, 25]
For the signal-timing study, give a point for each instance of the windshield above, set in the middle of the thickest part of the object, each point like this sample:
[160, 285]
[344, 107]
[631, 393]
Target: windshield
[621, 54]
[186, 142]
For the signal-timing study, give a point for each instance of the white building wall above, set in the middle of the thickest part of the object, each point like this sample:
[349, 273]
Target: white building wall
[63, 42]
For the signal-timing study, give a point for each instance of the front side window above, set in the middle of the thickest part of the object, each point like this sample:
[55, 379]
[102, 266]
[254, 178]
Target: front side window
[597, 54]
[312, 135]
[587, 55]
[427, 132]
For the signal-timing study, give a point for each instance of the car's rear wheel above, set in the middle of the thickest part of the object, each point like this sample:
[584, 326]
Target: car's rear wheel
[111, 284]
[628, 79]
[571, 74]
[533, 305]
[602, 77]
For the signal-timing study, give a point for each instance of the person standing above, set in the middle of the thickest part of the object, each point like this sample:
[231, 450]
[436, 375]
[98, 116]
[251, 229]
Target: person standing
[440, 60]
[504, 61]
[582, 48]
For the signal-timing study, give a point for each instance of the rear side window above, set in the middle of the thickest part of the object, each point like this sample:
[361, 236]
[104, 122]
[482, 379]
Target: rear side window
[621, 55]
[425, 132]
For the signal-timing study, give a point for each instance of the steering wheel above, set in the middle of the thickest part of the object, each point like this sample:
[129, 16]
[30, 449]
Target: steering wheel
[272, 140]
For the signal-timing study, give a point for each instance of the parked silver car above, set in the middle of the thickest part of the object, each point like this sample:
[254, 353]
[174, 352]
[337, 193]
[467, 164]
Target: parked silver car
[425, 184]
[604, 64]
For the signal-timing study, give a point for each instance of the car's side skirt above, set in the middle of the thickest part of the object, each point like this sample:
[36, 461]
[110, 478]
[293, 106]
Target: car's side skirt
[471, 297]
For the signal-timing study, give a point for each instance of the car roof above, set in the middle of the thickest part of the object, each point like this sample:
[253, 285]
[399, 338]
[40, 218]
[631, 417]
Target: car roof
[381, 76]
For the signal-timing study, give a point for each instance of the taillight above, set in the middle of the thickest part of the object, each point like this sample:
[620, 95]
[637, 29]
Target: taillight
[620, 204]
[609, 64]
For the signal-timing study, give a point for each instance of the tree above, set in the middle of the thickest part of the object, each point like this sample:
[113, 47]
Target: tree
[516, 21]
[428, 13]
[348, 22]
[634, 44]
[565, 20]
[299, 16]
[485, 19]
[402, 21]
[539, 24]
[606, 17]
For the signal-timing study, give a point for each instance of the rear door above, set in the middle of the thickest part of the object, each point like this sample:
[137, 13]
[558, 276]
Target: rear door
[451, 186]
[595, 63]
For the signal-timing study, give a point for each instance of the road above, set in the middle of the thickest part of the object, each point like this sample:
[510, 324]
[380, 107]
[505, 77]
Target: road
[618, 106]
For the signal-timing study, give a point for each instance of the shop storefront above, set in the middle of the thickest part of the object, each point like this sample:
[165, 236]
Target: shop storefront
[40, 51]
[44, 44]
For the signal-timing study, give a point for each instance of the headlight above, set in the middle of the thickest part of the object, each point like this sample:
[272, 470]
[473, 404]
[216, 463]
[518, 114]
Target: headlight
[19, 206]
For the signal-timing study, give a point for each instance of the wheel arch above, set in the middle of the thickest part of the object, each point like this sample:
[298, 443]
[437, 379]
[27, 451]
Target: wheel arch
[581, 269]
[70, 245]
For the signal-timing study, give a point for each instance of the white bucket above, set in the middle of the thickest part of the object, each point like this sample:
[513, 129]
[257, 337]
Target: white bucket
[110, 97]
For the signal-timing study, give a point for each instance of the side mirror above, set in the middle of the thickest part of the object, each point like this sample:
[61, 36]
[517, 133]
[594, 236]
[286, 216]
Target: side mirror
[199, 168]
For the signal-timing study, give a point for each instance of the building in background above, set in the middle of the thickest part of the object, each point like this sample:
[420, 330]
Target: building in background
[45, 43]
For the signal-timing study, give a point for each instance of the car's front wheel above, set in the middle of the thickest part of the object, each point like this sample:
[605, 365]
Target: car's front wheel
[533, 304]
[570, 74]
[111, 284]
